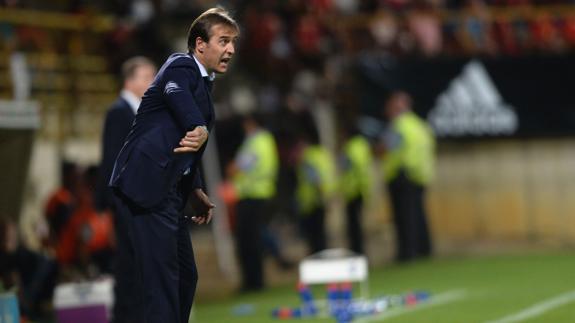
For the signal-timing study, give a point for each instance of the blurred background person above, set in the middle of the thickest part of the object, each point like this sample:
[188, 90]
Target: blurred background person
[138, 73]
[355, 163]
[316, 185]
[408, 167]
[31, 274]
[97, 228]
[61, 203]
[254, 173]
[85, 248]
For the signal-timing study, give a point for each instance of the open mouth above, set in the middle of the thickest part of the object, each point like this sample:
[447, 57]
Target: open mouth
[225, 60]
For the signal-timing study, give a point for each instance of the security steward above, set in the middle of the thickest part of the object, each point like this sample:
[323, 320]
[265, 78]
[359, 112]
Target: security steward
[408, 167]
[254, 173]
[356, 181]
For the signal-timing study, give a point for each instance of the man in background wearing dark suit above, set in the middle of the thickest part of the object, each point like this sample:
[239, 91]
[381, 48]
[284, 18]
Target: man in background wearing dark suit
[138, 73]
[157, 169]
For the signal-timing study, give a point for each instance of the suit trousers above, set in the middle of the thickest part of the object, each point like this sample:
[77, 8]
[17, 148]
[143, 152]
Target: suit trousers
[162, 261]
[250, 214]
[125, 283]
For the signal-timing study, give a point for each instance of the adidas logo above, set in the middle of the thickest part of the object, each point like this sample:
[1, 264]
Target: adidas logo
[471, 105]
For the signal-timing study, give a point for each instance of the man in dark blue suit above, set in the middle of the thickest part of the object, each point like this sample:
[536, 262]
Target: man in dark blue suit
[157, 169]
[138, 73]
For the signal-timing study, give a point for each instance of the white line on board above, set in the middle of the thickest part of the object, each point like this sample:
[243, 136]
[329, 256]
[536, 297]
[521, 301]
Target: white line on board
[435, 300]
[538, 308]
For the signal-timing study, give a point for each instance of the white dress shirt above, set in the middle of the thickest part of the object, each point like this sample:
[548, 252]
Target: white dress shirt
[132, 99]
[203, 70]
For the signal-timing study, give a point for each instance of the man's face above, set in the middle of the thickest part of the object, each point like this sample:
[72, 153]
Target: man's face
[141, 80]
[396, 105]
[218, 51]
[390, 109]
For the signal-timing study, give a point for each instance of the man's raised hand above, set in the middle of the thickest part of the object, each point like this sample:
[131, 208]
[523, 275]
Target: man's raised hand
[193, 141]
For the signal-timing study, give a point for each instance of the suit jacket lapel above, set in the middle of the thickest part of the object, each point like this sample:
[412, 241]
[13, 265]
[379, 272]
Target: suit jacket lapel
[211, 113]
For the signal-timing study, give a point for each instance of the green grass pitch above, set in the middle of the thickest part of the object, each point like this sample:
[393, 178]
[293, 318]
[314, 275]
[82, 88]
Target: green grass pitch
[534, 287]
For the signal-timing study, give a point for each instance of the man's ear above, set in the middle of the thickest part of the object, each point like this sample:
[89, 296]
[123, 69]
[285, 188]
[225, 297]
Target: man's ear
[200, 44]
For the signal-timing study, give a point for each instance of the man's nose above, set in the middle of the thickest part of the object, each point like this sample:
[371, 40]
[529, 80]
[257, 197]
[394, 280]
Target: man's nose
[231, 48]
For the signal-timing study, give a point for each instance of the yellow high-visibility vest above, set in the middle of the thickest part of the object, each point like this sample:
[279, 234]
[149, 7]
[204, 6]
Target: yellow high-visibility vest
[355, 163]
[414, 151]
[316, 178]
[257, 161]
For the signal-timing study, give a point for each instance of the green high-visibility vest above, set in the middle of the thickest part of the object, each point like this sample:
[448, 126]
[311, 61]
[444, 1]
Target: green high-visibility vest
[414, 151]
[316, 178]
[355, 164]
[257, 161]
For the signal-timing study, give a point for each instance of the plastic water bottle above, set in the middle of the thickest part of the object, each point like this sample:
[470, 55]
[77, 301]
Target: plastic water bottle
[409, 299]
[346, 292]
[346, 295]
[297, 312]
[415, 298]
[308, 305]
[332, 298]
[380, 304]
[395, 300]
[282, 313]
[422, 296]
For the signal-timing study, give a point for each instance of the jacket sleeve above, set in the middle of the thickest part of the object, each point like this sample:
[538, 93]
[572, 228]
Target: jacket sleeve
[197, 182]
[176, 89]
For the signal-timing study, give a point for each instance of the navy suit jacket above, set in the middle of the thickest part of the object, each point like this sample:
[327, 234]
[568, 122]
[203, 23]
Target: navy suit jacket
[117, 125]
[178, 100]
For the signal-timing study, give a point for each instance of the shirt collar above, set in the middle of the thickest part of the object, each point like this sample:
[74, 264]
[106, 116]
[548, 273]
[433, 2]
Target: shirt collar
[203, 70]
[132, 99]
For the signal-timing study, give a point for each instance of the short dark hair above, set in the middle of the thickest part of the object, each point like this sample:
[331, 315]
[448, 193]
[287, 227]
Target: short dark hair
[201, 27]
[131, 65]
[255, 116]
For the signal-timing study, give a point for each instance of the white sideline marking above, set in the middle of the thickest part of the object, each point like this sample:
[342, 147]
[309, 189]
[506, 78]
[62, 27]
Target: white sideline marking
[435, 300]
[538, 308]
